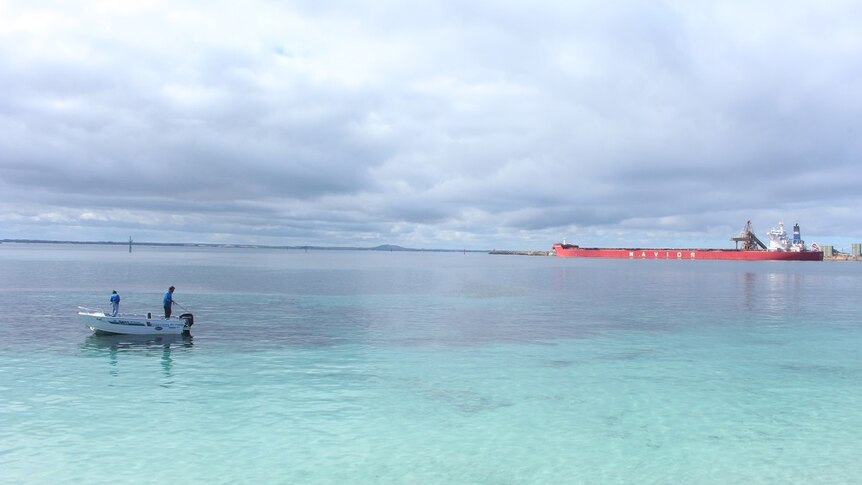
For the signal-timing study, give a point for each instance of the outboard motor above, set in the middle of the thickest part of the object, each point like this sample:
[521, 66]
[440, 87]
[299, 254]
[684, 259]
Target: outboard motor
[189, 320]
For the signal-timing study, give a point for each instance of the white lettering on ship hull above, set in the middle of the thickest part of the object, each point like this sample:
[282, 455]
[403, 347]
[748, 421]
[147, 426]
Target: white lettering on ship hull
[667, 255]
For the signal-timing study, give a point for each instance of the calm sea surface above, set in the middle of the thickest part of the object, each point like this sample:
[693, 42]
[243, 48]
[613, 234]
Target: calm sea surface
[335, 367]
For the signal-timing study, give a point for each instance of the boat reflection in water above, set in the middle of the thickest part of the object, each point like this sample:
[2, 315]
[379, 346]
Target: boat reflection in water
[136, 346]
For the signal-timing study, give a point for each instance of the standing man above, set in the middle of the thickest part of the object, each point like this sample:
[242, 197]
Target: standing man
[168, 301]
[115, 303]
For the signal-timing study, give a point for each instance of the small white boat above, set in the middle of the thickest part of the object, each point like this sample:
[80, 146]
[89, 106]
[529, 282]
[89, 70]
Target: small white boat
[128, 324]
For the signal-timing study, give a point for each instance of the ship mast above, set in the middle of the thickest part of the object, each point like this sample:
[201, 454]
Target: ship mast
[748, 239]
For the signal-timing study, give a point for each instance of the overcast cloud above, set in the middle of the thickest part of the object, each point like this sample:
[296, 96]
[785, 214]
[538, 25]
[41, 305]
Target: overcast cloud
[440, 124]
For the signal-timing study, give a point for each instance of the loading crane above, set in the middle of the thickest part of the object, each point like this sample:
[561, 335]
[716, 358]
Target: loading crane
[748, 239]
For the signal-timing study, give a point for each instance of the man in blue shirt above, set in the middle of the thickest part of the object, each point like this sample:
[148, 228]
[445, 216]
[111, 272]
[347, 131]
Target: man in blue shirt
[168, 301]
[115, 303]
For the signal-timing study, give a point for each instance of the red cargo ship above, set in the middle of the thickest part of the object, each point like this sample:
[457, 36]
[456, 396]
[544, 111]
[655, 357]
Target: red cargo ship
[749, 248]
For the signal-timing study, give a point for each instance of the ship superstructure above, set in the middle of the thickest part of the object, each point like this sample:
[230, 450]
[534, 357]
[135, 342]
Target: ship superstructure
[778, 240]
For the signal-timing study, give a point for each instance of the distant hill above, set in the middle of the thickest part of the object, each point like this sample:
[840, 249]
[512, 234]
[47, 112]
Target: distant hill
[390, 247]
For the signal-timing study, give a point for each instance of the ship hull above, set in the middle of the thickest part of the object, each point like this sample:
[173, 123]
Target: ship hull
[570, 251]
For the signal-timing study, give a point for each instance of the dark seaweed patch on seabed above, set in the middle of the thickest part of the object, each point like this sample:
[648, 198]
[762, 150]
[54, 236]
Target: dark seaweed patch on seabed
[465, 401]
[823, 371]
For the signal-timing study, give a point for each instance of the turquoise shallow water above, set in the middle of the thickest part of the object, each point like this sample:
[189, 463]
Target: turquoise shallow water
[430, 368]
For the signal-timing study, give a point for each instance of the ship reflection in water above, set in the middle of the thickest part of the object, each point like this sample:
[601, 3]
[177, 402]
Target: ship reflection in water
[136, 346]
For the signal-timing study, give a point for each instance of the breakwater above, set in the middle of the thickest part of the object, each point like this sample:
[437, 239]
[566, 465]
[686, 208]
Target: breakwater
[522, 253]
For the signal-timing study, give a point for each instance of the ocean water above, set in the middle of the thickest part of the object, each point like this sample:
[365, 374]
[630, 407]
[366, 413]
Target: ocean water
[334, 367]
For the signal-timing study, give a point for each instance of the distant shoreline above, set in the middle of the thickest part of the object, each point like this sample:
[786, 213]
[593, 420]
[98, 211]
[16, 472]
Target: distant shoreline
[383, 247]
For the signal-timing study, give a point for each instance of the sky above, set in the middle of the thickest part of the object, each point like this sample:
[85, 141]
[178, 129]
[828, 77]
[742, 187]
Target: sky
[439, 124]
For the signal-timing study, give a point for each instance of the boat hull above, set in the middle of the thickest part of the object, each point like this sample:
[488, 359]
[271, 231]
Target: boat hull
[133, 324]
[571, 251]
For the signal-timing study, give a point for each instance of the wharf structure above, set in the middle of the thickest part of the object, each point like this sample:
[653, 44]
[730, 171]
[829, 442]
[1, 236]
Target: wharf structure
[832, 254]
